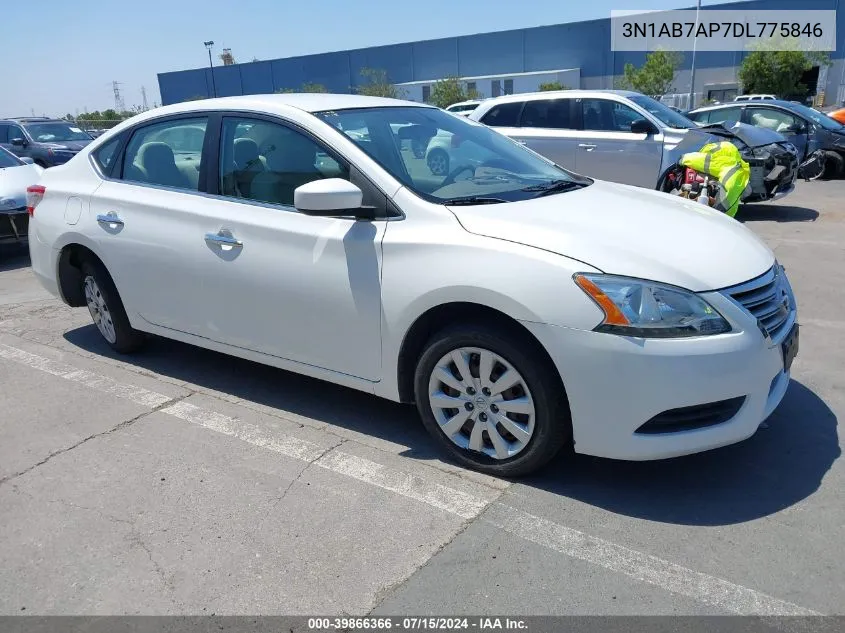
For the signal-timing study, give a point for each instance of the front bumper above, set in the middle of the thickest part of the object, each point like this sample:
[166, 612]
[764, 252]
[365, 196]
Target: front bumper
[616, 384]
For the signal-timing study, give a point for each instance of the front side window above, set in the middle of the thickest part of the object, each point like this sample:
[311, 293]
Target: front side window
[548, 113]
[503, 115]
[16, 132]
[448, 159]
[265, 161]
[4, 133]
[604, 115]
[721, 115]
[56, 132]
[167, 154]
[772, 119]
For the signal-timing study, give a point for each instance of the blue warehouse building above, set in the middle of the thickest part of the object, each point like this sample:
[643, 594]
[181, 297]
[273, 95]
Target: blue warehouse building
[577, 54]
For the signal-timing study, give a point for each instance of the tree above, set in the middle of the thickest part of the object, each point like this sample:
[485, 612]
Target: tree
[378, 84]
[447, 91]
[306, 87]
[553, 85]
[654, 77]
[778, 72]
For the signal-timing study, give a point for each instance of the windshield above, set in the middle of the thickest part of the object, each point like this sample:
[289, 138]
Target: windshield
[56, 132]
[444, 158]
[817, 117]
[663, 112]
[7, 159]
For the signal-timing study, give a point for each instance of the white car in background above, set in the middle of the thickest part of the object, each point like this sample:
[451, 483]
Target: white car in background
[463, 108]
[520, 306]
[755, 98]
[16, 174]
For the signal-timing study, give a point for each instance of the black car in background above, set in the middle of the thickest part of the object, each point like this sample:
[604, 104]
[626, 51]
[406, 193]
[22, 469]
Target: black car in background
[48, 142]
[807, 129]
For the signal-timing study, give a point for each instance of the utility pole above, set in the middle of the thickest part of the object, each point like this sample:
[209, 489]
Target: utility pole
[691, 104]
[144, 98]
[119, 106]
[208, 45]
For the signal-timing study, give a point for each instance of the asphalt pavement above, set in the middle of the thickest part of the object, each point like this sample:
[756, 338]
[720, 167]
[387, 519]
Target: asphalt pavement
[182, 481]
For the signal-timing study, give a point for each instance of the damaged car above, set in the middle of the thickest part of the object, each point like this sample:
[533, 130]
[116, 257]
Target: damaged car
[627, 137]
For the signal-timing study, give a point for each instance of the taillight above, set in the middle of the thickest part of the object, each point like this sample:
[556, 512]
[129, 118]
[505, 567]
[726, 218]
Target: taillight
[34, 195]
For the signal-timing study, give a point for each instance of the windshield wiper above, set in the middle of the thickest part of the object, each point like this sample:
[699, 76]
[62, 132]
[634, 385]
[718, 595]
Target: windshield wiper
[472, 200]
[555, 186]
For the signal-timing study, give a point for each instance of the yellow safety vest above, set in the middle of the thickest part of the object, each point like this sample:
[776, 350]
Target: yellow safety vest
[723, 162]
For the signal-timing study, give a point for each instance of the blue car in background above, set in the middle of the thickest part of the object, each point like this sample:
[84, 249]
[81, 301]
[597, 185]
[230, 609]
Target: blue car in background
[48, 142]
[807, 129]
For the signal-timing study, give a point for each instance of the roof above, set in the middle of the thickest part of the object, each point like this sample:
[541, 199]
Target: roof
[551, 94]
[28, 119]
[738, 104]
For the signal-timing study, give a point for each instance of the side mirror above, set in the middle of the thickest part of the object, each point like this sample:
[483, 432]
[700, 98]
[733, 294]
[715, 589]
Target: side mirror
[331, 197]
[642, 126]
[27, 160]
[18, 142]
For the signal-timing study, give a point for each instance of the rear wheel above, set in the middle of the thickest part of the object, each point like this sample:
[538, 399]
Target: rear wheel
[107, 309]
[489, 402]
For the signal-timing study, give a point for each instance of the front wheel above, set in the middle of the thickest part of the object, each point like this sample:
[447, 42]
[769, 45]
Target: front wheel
[107, 309]
[490, 402]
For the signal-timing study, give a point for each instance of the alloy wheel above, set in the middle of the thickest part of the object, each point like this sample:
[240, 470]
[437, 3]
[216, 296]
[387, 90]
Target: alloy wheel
[482, 403]
[99, 309]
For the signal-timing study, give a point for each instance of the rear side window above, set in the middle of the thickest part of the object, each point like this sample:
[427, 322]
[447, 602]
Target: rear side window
[548, 113]
[166, 154]
[503, 115]
[106, 155]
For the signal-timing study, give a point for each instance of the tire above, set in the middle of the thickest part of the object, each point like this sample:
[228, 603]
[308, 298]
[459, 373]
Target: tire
[833, 165]
[438, 162]
[107, 309]
[542, 432]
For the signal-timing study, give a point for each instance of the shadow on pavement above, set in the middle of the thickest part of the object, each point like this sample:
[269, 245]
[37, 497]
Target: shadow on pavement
[775, 213]
[13, 257]
[776, 468]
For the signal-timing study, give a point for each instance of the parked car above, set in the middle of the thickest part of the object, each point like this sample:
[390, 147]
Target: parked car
[522, 307]
[463, 108]
[630, 138]
[15, 176]
[754, 98]
[48, 142]
[806, 128]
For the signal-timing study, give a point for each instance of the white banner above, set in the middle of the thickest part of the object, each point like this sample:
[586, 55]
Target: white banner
[722, 30]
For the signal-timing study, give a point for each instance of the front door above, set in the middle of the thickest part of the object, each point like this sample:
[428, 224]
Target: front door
[608, 150]
[546, 127]
[303, 288]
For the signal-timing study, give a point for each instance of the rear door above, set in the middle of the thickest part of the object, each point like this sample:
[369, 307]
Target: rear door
[150, 221]
[608, 150]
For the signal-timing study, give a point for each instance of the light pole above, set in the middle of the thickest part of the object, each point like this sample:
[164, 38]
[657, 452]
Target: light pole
[208, 46]
[692, 69]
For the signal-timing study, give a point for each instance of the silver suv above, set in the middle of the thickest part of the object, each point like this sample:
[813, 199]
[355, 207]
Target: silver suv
[629, 138]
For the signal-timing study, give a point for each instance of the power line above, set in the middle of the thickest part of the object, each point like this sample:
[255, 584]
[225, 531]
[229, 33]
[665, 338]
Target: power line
[119, 106]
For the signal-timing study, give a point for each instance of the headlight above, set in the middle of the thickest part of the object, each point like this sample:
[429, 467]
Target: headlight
[633, 307]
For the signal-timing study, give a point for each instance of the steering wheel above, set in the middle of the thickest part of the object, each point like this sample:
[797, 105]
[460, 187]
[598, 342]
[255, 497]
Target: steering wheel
[457, 171]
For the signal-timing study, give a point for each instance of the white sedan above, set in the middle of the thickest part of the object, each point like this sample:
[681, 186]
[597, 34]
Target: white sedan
[520, 306]
[16, 175]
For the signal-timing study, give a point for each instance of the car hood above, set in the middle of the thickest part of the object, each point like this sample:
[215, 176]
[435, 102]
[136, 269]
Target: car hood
[71, 145]
[630, 231]
[13, 184]
[748, 134]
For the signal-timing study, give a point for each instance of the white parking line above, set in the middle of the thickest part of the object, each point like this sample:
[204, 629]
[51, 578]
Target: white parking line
[707, 589]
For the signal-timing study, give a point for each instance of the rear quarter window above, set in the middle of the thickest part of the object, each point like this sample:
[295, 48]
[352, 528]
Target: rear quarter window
[106, 155]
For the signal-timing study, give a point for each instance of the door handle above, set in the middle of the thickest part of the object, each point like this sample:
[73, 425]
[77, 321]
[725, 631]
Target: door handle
[111, 218]
[223, 238]
[587, 146]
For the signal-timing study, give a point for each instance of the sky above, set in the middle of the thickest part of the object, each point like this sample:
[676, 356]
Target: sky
[65, 56]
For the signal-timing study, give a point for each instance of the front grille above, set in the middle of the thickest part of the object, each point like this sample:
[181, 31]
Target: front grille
[689, 418]
[769, 299]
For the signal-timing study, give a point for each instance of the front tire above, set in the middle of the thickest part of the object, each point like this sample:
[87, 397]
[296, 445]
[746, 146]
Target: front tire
[107, 309]
[833, 165]
[490, 402]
